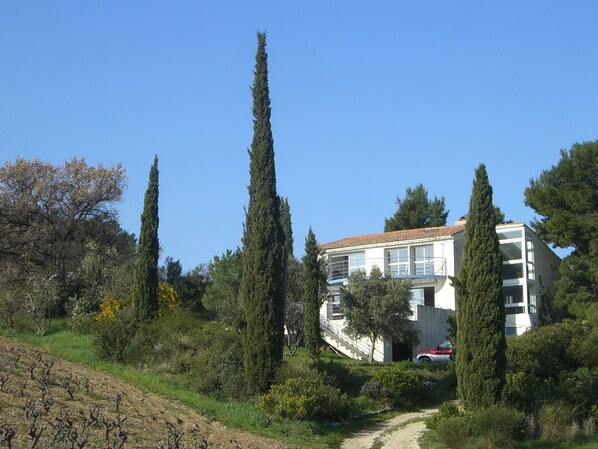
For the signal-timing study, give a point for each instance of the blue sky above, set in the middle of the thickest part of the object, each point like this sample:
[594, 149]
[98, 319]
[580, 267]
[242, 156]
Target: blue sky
[368, 98]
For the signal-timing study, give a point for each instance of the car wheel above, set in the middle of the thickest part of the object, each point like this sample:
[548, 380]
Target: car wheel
[424, 360]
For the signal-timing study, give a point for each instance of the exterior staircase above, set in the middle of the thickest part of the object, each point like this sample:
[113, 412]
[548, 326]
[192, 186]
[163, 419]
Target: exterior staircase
[337, 340]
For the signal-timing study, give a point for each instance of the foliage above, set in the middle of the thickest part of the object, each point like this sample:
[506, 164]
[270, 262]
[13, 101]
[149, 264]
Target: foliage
[480, 360]
[48, 215]
[304, 397]
[112, 337]
[223, 294]
[145, 289]
[554, 420]
[312, 278]
[11, 304]
[526, 392]
[218, 367]
[168, 298]
[262, 286]
[497, 427]
[566, 198]
[294, 313]
[41, 301]
[453, 431]
[109, 308]
[446, 410]
[190, 287]
[398, 383]
[416, 211]
[546, 351]
[377, 307]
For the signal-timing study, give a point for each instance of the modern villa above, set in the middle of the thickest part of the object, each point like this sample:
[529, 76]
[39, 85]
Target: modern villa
[427, 257]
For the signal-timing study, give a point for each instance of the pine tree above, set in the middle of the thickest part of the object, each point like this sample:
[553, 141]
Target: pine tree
[480, 359]
[312, 276]
[287, 230]
[145, 295]
[263, 251]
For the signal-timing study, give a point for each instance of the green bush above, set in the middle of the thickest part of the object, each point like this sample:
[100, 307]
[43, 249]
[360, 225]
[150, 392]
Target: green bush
[579, 389]
[555, 420]
[497, 427]
[526, 392]
[305, 397]
[546, 351]
[376, 392]
[402, 380]
[446, 410]
[111, 337]
[453, 431]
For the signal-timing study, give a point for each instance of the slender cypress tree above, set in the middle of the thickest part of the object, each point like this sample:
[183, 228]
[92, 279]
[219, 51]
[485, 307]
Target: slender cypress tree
[480, 359]
[145, 294]
[287, 229]
[263, 252]
[312, 276]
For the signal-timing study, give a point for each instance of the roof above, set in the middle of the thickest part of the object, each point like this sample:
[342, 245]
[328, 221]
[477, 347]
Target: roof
[395, 236]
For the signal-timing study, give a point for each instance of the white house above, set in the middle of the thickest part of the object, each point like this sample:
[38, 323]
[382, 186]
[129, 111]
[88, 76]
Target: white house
[427, 257]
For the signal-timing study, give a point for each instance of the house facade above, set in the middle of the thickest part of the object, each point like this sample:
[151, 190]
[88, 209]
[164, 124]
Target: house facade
[427, 257]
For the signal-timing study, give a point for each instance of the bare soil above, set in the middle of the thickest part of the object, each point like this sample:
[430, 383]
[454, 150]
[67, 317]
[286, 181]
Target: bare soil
[73, 395]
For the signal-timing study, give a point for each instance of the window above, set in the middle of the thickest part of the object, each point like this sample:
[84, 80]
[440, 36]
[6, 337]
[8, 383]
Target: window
[512, 271]
[356, 262]
[510, 251]
[506, 235]
[397, 261]
[514, 310]
[512, 294]
[340, 267]
[531, 298]
[422, 296]
[423, 259]
[531, 270]
[334, 308]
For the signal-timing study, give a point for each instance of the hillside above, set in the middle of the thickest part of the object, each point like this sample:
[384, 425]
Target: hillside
[74, 406]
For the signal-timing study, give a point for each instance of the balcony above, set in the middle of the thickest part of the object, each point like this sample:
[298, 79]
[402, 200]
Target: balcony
[411, 268]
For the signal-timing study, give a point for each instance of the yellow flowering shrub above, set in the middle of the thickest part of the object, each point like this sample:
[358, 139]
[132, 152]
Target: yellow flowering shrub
[168, 298]
[109, 308]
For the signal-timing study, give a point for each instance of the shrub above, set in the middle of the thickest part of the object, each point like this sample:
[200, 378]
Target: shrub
[555, 420]
[376, 392]
[546, 351]
[446, 410]
[580, 389]
[525, 392]
[111, 337]
[496, 427]
[109, 308]
[305, 397]
[453, 431]
[401, 379]
[217, 368]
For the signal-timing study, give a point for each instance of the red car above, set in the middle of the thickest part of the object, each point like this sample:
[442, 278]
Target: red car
[444, 352]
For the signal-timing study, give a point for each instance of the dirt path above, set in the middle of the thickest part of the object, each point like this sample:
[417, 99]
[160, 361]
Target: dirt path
[401, 432]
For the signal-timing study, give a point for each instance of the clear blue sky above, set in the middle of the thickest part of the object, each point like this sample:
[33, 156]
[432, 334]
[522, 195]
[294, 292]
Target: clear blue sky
[368, 98]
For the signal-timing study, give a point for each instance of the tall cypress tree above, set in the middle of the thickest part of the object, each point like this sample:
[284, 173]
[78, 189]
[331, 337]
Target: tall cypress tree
[145, 294]
[480, 359]
[312, 277]
[263, 244]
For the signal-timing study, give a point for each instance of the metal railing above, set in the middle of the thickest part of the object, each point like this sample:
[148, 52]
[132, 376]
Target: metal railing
[411, 268]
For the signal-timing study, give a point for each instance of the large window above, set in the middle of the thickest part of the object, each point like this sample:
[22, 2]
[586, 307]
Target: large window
[423, 260]
[341, 267]
[397, 261]
[334, 308]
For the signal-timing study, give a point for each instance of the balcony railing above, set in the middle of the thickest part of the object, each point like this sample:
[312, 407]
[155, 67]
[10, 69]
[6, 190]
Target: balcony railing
[407, 269]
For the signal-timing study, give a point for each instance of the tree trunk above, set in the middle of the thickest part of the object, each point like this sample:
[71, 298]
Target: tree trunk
[371, 358]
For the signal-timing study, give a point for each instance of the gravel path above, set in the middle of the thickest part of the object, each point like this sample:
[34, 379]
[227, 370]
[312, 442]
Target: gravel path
[401, 432]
